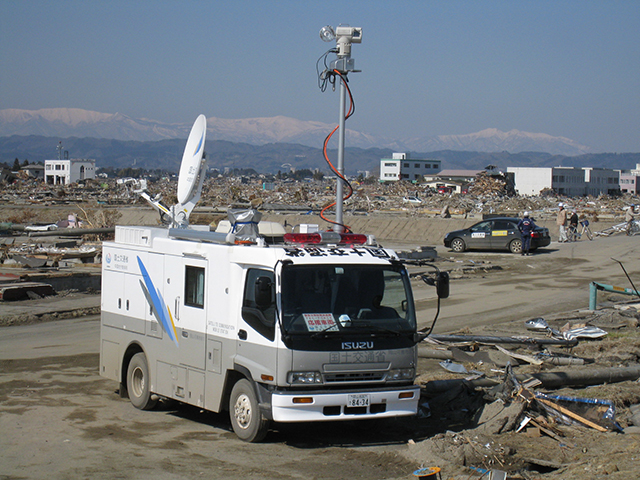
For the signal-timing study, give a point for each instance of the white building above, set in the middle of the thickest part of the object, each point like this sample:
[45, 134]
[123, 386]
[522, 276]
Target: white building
[569, 181]
[630, 180]
[402, 167]
[64, 172]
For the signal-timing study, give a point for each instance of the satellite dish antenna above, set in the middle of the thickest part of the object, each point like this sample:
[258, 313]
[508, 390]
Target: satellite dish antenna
[191, 160]
[190, 179]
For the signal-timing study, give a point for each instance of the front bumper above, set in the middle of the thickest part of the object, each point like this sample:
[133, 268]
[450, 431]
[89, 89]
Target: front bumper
[325, 406]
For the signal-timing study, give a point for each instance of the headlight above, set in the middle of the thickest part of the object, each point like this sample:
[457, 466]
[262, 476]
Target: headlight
[304, 378]
[401, 374]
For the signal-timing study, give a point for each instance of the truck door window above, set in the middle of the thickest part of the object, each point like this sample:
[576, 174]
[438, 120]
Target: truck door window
[260, 317]
[194, 286]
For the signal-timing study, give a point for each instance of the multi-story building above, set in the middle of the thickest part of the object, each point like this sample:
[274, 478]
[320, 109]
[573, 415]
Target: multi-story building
[569, 181]
[629, 180]
[601, 180]
[402, 167]
[64, 172]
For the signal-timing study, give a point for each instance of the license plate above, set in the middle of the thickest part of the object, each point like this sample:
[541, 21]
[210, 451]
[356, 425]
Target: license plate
[358, 400]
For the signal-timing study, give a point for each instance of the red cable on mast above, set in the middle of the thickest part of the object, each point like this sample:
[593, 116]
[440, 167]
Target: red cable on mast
[326, 156]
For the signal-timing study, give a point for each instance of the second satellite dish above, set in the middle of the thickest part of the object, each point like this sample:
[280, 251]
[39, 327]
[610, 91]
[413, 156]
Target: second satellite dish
[191, 159]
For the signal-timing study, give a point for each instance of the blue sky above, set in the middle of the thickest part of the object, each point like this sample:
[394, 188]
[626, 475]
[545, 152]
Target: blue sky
[564, 68]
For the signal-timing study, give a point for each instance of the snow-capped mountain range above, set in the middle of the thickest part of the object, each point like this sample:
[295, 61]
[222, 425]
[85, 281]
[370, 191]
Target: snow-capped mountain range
[74, 122]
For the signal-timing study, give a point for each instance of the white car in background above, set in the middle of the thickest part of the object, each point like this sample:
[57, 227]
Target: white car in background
[413, 200]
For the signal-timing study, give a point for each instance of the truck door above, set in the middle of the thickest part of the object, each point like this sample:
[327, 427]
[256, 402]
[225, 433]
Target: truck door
[256, 349]
[185, 296]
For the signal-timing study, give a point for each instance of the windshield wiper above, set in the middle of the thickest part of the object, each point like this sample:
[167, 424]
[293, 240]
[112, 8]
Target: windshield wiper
[355, 324]
[326, 331]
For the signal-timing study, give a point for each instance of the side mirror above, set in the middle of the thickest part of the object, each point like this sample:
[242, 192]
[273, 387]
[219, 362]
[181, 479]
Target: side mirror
[442, 284]
[263, 292]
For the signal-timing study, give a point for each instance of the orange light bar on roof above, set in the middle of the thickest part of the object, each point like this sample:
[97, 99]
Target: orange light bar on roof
[325, 238]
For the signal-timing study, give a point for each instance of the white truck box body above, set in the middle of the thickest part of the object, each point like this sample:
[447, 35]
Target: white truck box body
[181, 303]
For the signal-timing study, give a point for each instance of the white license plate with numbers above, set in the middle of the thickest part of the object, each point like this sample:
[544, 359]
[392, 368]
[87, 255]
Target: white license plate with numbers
[358, 400]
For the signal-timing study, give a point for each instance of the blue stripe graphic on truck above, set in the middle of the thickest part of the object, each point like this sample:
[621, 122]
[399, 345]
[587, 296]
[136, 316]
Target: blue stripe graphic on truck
[157, 302]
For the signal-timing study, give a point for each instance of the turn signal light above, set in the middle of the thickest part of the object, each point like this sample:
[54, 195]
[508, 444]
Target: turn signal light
[405, 395]
[302, 400]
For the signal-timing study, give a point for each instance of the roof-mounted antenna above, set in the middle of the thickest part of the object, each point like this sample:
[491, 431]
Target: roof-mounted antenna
[190, 179]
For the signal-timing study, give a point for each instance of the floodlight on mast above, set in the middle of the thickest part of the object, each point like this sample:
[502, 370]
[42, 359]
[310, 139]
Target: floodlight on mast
[345, 36]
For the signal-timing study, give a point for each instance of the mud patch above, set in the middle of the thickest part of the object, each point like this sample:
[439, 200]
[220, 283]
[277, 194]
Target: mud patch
[115, 432]
[81, 416]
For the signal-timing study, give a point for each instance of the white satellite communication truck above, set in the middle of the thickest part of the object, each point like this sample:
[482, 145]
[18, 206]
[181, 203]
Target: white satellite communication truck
[271, 326]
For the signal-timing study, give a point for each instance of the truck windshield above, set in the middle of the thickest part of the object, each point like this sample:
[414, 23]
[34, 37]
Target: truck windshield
[331, 299]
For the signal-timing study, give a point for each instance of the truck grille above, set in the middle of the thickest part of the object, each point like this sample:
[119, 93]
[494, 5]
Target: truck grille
[354, 377]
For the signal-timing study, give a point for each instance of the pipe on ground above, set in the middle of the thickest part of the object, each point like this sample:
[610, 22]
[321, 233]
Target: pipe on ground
[571, 378]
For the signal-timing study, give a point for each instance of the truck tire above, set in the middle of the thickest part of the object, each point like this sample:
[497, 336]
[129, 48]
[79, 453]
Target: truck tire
[138, 383]
[246, 418]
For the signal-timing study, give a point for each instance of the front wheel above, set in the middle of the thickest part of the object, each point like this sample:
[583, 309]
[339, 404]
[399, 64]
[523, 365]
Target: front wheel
[246, 418]
[138, 379]
[457, 245]
[589, 236]
[515, 246]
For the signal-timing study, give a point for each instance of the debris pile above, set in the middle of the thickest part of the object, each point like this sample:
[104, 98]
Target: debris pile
[49, 255]
[492, 184]
[493, 398]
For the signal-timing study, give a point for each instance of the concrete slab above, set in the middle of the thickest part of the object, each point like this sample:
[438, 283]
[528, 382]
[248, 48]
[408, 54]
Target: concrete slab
[49, 308]
[25, 291]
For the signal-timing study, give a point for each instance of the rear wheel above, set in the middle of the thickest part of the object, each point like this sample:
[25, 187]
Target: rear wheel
[246, 418]
[457, 245]
[138, 383]
[515, 246]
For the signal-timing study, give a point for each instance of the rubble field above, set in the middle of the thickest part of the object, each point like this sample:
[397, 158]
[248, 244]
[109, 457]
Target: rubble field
[488, 195]
[488, 418]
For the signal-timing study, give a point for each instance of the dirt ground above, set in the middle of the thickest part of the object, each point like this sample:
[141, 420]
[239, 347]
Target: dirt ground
[59, 419]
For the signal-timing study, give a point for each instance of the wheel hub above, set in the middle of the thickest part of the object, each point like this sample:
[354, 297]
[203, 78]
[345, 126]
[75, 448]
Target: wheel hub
[137, 382]
[242, 411]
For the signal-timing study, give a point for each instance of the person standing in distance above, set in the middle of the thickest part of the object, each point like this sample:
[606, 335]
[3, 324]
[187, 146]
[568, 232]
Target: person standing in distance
[573, 226]
[561, 221]
[628, 218]
[526, 227]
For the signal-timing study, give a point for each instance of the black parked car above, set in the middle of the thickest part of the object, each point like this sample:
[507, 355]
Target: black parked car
[495, 234]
